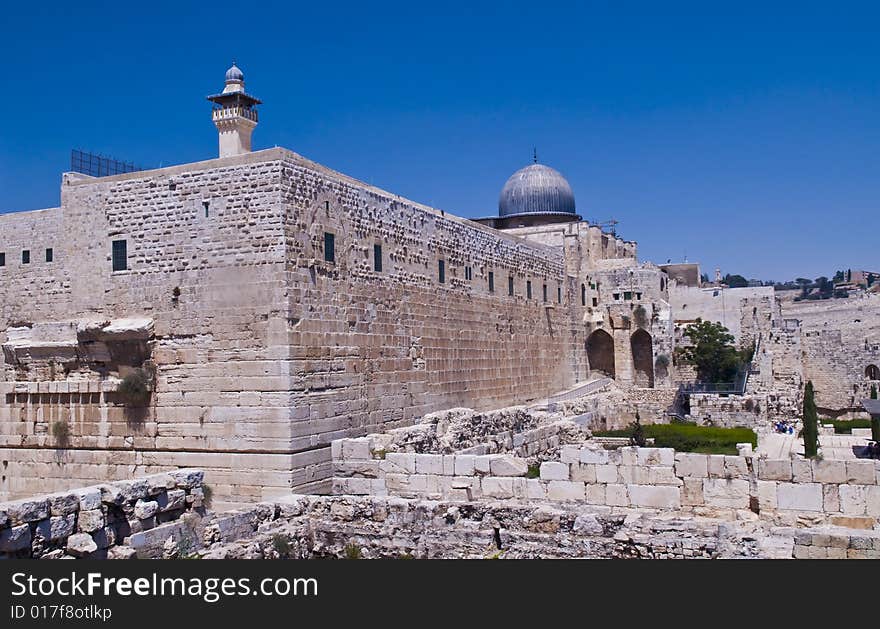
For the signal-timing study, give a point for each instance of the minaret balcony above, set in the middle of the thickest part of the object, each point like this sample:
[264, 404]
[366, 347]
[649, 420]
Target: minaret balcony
[221, 114]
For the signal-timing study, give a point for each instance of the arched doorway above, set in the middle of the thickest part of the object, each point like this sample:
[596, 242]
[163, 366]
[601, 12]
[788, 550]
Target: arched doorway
[643, 359]
[872, 372]
[600, 353]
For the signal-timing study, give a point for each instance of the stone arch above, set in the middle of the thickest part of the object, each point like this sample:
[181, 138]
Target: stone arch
[872, 372]
[600, 353]
[643, 359]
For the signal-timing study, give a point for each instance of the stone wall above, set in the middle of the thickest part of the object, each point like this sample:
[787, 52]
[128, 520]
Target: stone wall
[839, 339]
[260, 351]
[752, 410]
[657, 478]
[100, 521]
[746, 312]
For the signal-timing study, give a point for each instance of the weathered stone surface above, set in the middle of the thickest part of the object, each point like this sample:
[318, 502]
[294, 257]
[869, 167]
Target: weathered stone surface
[594, 456]
[15, 538]
[553, 470]
[57, 527]
[63, 503]
[81, 545]
[587, 524]
[654, 497]
[829, 471]
[607, 473]
[90, 521]
[766, 495]
[188, 478]
[508, 466]
[799, 497]
[692, 492]
[721, 492]
[121, 552]
[21, 511]
[774, 469]
[691, 465]
[174, 499]
[801, 471]
[563, 490]
[145, 509]
[89, 498]
[859, 473]
[853, 499]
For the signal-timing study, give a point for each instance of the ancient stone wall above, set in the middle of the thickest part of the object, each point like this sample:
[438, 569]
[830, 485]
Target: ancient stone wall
[656, 478]
[259, 349]
[101, 521]
[839, 342]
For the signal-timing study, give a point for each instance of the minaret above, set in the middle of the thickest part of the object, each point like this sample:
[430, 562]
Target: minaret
[234, 114]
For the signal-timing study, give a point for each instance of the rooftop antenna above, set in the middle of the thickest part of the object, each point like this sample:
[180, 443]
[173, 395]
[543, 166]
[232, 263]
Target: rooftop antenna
[535, 153]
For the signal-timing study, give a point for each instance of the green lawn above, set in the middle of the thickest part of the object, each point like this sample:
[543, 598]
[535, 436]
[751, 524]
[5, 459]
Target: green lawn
[691, 438]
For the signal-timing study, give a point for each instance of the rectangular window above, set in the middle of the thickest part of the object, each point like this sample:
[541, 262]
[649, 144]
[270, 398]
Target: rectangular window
[545, 292]
[120, 255]
[529, 289]
[559, 294]
[441, 270]
[627, 295]
[638, 295]
[468, 273]
[2, 259]
[595, 301]
[377, 258]
[49, 254]
[26, 257]
[617, 296]
[583, 295]
[329, 247]
[206, 205]
[491, 282]
[510, 286]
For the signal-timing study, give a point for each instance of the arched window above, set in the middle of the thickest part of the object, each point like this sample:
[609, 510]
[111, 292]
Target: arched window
[583, 294]
[872, 372]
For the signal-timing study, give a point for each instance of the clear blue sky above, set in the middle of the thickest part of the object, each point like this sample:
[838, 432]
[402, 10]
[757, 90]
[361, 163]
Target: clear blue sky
[746, 139]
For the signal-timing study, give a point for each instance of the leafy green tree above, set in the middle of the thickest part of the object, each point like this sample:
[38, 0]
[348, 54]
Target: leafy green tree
[711, 353]
[811, 423]
[873, 392]
[735, 281]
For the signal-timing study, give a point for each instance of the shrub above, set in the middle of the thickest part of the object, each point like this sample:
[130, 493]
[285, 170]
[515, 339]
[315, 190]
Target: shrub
[208, 494]
[534, 471]
[353, 551]
[845, 426]
[686, 437]
[662, 361]
[281, 545]
[61, 431]
[134, 389]
[637, 433]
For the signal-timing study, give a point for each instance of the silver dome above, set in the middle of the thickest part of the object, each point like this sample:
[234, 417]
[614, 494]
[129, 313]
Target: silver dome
[234, 73]
[536, 189]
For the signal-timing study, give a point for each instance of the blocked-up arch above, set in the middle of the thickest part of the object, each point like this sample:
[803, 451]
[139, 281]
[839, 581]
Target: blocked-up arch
[872, 372]
[600, 353]
[643, 359]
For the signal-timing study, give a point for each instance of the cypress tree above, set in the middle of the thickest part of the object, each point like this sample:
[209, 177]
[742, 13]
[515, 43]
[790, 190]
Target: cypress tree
[811, 423]
[875, 419]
